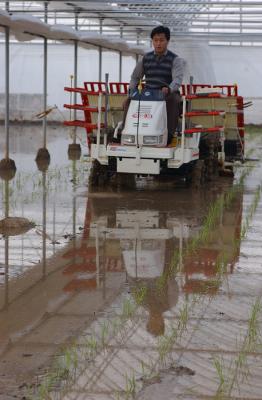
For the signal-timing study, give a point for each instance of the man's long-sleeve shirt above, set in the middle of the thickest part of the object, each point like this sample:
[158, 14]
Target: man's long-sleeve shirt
[178, 68]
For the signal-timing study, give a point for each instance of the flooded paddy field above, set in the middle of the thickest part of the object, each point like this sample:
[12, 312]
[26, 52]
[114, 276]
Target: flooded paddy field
[151, 292]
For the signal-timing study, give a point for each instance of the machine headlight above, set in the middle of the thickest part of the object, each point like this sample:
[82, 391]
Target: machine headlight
[128, 139]
[150, 140]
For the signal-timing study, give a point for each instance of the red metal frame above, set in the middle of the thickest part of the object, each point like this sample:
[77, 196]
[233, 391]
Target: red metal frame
[240, 118]
[94, 88]
[118, 87]
[231, 90]
[204, 113]
[214, 129]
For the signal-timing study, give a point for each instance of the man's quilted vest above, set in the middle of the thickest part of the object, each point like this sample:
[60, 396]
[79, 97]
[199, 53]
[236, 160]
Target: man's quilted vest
[158, 70]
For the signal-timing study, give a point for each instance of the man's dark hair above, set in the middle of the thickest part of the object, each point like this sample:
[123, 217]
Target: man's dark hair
[161, 29]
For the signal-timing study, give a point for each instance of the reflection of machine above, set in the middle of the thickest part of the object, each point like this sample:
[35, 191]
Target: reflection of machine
[140, 235]
[146, 249]
[142, 242]
[148, 233]
[143, 258]
[145, 237]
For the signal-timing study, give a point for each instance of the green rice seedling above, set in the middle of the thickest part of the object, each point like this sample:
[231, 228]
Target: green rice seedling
[59, 371]
[221, 265]
[164, 346]
[166, 342]
[92, 343]
[66, 364]
[241, 366]
[161, 282]
[44, 390]
[122, 334]
[143, 368]
[104, 333]
[235, 372]
[74, 356]
[90, 347]
[238, 370]
[192, 246]
[139, 294]
[117, 395]
[174, 333]
[251, 211]
[240, 363]
[244, 230]
[194, 300]
[146, 370]
[127, 309]
[116, 324]
[31, 393]
[203, 235]
[183, 318]
[220, 369]
[175, 261]
[254, 334]
[130, 388]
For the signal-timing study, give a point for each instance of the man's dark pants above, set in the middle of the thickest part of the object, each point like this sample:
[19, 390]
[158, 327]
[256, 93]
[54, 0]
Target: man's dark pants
[173, 109]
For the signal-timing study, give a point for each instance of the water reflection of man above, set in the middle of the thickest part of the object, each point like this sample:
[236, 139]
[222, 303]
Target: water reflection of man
[147, 262]
[158, 300]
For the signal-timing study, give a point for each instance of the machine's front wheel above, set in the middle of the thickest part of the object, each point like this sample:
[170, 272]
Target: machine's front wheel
[98, 174]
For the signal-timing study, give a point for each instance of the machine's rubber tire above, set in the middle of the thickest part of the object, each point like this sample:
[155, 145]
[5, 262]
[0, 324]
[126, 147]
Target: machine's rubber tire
[98, 174]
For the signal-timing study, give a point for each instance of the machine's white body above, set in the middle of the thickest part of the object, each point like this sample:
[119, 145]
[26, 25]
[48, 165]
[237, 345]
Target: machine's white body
[146, 119]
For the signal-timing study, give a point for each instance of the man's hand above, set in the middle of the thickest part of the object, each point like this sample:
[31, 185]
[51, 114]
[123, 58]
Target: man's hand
[165, 90]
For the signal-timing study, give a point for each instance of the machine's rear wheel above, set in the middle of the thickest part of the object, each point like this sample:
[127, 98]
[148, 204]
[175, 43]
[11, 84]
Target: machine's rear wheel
[208, 151]
[212, 163]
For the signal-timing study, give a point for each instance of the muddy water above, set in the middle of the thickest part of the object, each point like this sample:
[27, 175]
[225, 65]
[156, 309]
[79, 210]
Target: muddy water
[74, 275]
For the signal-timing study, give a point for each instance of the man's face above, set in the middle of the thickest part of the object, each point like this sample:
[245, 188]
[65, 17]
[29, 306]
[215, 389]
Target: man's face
[160, 43]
